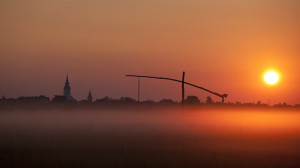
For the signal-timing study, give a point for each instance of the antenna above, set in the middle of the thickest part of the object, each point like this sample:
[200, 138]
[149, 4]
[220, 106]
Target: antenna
[139, 90]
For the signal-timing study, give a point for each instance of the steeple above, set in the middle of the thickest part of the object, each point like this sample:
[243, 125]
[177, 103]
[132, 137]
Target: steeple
[90, 98]
[67, 79]
[67, 90]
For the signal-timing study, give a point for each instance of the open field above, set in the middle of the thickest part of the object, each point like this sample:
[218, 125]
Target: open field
[166, 137]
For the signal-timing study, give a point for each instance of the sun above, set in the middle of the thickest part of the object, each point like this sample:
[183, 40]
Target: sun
[271, 77]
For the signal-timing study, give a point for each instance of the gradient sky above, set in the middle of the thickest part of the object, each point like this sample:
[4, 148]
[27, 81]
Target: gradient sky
[224, 46]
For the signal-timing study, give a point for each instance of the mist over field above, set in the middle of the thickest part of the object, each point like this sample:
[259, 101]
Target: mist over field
[157, 137]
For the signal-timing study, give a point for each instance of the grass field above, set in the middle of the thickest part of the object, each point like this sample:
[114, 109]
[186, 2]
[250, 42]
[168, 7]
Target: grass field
[183, 137]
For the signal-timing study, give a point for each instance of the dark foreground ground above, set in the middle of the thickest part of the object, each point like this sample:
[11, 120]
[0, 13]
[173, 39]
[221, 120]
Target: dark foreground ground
[150, 138]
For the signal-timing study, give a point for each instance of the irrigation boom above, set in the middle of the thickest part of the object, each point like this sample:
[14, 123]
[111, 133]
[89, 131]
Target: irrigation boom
[223, 96]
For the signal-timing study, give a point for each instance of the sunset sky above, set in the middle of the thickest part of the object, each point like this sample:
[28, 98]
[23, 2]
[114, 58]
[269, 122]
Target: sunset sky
[224, 46]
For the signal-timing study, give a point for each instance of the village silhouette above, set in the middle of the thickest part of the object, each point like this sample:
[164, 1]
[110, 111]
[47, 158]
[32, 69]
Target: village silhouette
[66, 100]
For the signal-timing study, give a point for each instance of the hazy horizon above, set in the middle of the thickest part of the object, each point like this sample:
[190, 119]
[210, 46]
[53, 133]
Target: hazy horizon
[165, 137]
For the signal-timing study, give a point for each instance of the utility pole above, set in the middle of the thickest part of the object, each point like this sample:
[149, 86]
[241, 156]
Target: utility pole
[182, 85]
[139, 90]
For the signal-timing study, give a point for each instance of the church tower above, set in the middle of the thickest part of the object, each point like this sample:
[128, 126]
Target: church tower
[90, 98]
[67, 90]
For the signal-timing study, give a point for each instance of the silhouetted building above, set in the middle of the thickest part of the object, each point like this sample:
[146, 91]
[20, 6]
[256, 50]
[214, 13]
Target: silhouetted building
[122, 100]
[209, 100]
[3, 100]
[67, 90]
[126, 100]
[104, 100]
[192, 100]
[167, 101]
[26, 99]
[90, 98]
[59, 99]
[34, 99]
[148, 102]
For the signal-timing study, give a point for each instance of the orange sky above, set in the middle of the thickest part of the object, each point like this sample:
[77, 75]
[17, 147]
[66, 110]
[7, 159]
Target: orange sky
[224, 46]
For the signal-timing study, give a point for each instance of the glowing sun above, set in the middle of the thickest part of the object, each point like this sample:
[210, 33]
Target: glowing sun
[271, 77]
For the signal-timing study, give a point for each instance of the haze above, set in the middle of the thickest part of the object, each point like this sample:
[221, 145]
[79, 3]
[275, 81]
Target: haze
[162, 137]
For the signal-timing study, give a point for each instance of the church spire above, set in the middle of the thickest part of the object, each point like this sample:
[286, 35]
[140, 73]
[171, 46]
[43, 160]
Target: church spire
[90, 98]
[67, 89]
[67, 79]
